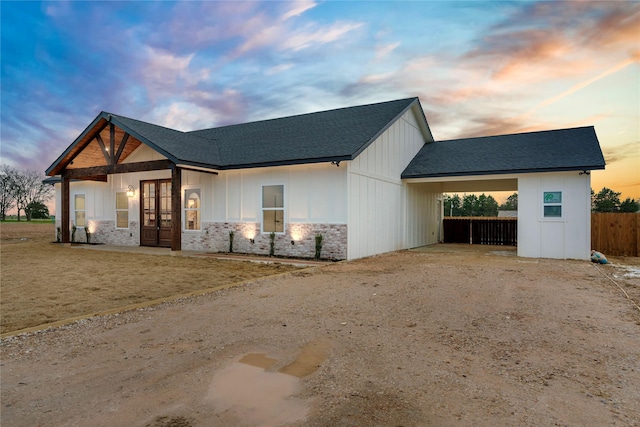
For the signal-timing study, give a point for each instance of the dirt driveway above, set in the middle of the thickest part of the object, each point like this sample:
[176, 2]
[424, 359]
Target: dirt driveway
[411, 339]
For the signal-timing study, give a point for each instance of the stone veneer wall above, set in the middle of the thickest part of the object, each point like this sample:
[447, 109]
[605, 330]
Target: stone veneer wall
[214, 237]
[107, 233]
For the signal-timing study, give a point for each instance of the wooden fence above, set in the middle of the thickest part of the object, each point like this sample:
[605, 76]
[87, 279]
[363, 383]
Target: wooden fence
[616, 233]
[481, 230]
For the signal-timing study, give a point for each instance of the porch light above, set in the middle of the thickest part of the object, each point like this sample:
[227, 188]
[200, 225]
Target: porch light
[131, 191]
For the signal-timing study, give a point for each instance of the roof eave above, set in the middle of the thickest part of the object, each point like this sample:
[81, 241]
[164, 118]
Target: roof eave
[288, 162]
[503, 172]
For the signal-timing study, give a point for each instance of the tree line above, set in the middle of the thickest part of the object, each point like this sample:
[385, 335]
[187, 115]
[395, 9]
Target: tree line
[24, 191]
[470, 205]
[606, 200]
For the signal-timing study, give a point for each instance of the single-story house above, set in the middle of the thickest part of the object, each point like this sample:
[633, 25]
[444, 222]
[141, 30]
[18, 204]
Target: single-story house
[368, 178]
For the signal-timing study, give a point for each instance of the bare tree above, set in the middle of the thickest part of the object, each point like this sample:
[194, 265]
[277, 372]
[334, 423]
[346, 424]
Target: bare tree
[7, 190]
[29, 188]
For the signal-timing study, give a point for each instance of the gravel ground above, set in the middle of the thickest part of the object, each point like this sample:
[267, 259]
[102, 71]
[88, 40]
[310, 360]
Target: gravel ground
[403, 339]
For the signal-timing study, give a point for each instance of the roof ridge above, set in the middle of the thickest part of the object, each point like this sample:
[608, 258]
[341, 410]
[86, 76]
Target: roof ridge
[517, 133]
[303, 115]
[142, 121]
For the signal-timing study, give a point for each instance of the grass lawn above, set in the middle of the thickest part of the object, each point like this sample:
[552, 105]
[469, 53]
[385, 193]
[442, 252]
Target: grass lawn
[43, 282]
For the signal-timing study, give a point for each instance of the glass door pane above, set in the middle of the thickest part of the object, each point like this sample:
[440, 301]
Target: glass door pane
[149, 203]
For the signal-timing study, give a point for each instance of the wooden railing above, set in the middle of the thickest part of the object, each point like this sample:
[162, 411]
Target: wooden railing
[616, 233]
[481, 230]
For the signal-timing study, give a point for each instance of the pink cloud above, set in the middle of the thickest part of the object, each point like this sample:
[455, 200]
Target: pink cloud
[567, 40]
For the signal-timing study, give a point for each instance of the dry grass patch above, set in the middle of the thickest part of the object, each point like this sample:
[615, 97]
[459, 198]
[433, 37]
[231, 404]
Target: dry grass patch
[42, 282]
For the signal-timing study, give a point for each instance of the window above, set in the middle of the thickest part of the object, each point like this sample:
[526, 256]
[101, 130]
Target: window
[122, 210]
[552, 207]
[192, 209]
[78, 203]
[273, 208]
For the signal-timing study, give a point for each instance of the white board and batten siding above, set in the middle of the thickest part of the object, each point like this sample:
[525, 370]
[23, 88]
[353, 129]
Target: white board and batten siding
[314, 193]
[376, 195]
[424, 214]
[565, 237]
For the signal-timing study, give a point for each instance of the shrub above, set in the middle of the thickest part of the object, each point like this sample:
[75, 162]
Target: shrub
[318, 245]
[272, 244]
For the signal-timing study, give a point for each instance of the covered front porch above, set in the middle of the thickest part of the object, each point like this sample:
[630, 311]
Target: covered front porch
[105, 150]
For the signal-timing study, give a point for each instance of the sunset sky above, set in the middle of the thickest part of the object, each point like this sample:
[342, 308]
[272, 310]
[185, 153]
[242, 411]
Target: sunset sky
[479, 68]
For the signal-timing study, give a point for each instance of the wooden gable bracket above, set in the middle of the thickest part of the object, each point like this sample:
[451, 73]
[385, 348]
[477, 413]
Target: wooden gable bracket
[105, 153]
[125, 138]
[110, 155]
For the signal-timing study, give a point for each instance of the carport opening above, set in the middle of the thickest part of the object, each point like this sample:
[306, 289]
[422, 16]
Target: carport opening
[480, 218]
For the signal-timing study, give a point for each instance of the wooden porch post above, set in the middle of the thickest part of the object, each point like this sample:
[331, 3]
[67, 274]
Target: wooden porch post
[176, 210]
[64, 193]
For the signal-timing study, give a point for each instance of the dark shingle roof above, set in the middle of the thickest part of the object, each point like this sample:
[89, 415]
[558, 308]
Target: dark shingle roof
[546, 151]
[173, 144]
[339, 134]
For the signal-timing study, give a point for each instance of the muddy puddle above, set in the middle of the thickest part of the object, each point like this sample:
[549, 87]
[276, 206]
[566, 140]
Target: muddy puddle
[255, 393]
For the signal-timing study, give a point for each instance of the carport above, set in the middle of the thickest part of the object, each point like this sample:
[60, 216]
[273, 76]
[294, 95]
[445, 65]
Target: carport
[550, 170]
[476, 229]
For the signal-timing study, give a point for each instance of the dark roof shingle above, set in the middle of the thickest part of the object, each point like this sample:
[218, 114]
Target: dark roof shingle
[545, 151]
[173, 144]
[339, 134]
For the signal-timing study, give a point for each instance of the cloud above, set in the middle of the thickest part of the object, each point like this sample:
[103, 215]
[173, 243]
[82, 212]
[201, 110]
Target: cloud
[555, 39]
[320, 35]
[278, 69]
[200, 110]
[622, 152]
[582, 85]
[298, 8]
[278, 36]
[383, 50]
[547, 51]
[161, 71]
[185, 27]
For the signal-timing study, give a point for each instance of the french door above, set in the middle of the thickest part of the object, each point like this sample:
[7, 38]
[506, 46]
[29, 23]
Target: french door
[155, 213]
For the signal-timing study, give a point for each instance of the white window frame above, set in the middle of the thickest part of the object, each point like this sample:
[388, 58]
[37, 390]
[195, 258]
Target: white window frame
[122, 210]
[263, 208]
[186, 210]
[551, 203]
[76, 210]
